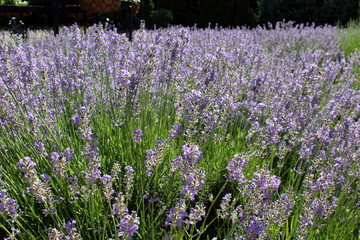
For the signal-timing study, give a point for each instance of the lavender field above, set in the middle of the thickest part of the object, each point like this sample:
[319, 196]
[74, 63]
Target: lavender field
[182, 133]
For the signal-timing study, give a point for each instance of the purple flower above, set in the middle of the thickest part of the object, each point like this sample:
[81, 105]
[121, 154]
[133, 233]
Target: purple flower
[71, 231]
[60, 162]
[236, 167]
[12, 235]
[128, 181]
[193, 183]
[129, 225]
[191, 153]
[119, 209]
[137, 135]
[107, 187]
[174, 132]
[8, 206]
[254, 229]
[266, 183]
[39, 188]
[196, 214]
[176, 214]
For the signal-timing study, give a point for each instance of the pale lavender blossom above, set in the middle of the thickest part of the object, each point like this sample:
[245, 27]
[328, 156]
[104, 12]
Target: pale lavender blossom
[129, 225]
[176, 214]
[194, 180]
[119, 209]
[8, 206]
[236, 168]
[137, 135]
[108, 191]
[128, 181]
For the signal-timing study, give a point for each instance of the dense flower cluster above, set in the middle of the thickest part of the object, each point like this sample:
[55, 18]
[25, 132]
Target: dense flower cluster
[254, 133]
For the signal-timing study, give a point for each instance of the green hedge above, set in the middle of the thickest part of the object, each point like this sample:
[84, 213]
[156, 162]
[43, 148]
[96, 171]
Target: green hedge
[308, 11]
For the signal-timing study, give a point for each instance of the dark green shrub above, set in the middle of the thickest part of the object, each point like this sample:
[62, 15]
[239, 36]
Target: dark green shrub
[308, 11]
[161, 18]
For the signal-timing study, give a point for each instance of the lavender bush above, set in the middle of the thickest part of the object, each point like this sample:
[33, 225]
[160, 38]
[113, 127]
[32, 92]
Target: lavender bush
[182, 133]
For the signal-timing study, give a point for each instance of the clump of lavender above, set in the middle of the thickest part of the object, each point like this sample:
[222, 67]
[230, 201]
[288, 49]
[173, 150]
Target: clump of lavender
[154, 157]
[93, 171]
[173, 133]
[176, 214]
[128, 225]
[194, 180]
[259, 210]
[319, 201]
[192, 154]
[137, 135]
[193, 177]
[108, 191]
[39, 188]
[60, 162]
[224, 206]
[40, 148]
[236, 168]
[84, 123]
[119, 208]
[74, 188]
[128, 181]
[8, 206]
[69, 231]
[196, 214]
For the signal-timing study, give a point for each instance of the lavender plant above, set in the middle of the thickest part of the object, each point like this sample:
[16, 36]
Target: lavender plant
[182, 133]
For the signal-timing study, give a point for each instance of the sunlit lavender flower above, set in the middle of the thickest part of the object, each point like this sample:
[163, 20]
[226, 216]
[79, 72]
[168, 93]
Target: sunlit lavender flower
[71, 231]
[191, 153]
[224, 205]
[107, 187]
[12, 235]
[176, 164]
[119, 209]
[268, 184]
[60, 162]
[176, 214]
[236, 167]
[74, 187]
[194, 181]
[55, 234]
[153, 158]
[40, 149]
[137, 135]
[115, 170]
[128, 181]
[174, 132]
[75, 119]
[254, 230]
[39, 188]
[8, 206]
[128, 225]
[196, 214]
[84, 123]
[93, 171]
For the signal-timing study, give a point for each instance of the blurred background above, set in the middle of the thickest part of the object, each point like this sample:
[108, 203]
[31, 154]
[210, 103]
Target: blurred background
[204, 13]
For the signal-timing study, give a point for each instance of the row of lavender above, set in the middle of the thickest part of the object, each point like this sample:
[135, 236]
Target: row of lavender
[180, 134]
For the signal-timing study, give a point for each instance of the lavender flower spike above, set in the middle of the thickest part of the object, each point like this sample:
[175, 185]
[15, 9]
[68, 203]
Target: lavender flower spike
[137, 135]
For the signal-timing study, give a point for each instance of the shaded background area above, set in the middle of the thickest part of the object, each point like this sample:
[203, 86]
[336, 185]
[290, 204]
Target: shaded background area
[250, 12]
[223, 13]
